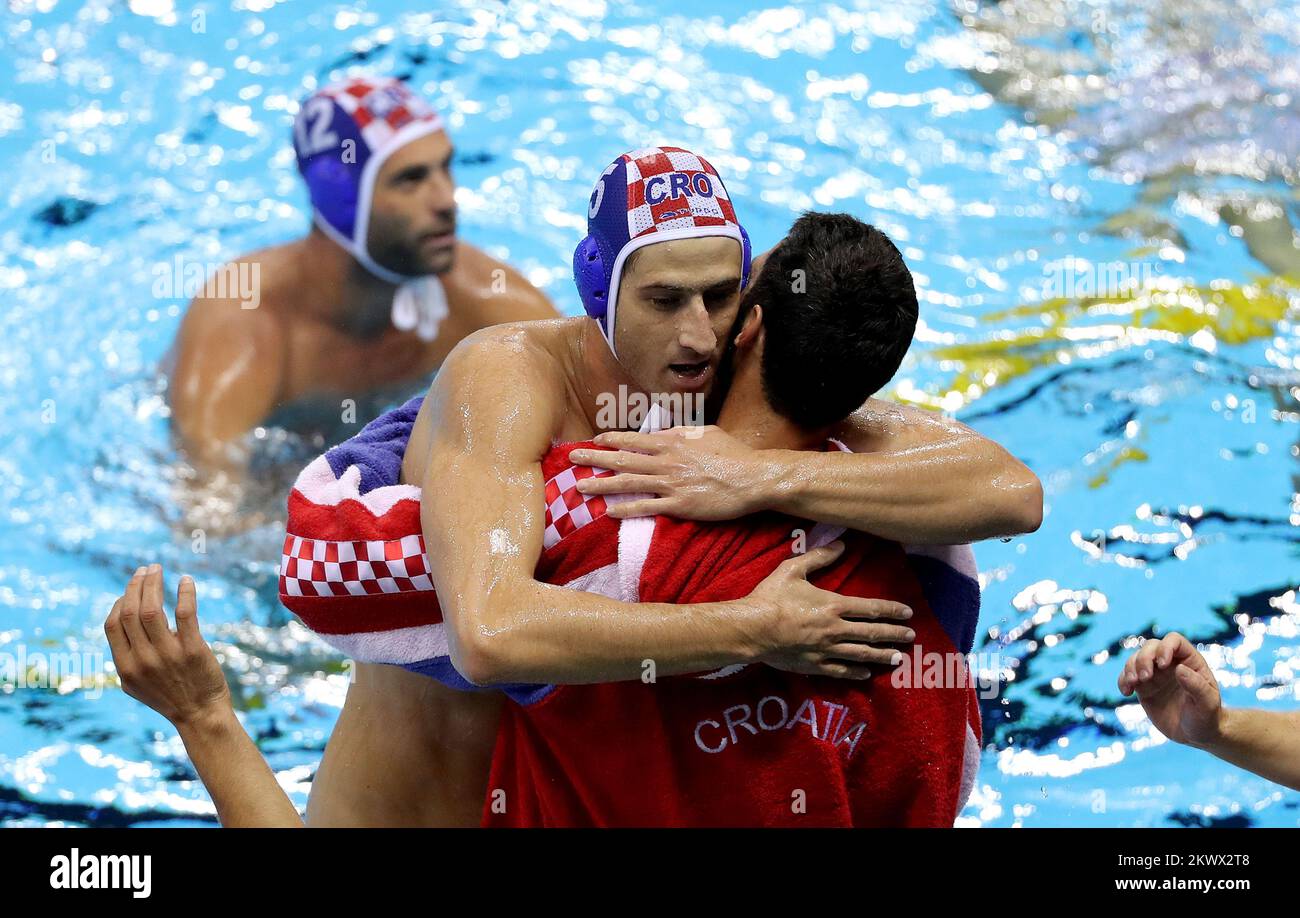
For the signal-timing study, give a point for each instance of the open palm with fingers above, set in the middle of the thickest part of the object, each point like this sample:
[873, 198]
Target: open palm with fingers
[173, 672]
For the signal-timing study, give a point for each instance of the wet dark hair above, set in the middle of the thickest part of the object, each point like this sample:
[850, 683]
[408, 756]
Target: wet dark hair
[837, 332]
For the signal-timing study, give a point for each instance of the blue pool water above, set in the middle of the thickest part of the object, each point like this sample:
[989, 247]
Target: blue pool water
[1163, 425]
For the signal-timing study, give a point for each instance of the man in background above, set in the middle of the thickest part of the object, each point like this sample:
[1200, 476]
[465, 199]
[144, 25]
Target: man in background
[365, 306]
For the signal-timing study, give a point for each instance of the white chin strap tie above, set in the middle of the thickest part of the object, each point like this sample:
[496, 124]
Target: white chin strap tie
[420, 305]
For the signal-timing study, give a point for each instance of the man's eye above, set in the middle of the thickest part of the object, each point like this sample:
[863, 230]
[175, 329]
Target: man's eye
[664, 302]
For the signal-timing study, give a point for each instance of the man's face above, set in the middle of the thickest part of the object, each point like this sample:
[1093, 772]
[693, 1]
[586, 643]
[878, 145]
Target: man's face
[676, 302]
[413, 213]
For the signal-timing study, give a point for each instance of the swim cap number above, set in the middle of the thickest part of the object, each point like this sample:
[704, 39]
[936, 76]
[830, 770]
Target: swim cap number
[320, 111]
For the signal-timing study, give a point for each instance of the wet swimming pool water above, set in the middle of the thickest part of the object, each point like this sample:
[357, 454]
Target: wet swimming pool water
[1155, 143]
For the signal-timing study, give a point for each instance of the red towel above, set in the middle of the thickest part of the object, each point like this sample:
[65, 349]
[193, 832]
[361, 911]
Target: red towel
[754, 747]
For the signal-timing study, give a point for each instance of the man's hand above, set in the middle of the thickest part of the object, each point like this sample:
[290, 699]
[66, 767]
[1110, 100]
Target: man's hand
[694, 473]
[912, 477]
[176, 674]
[820, 633]
[173, 672]
[1177, 689]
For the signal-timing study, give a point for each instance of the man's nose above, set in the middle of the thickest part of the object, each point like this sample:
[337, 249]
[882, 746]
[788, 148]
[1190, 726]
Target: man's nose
[442, 196]
[696, 331]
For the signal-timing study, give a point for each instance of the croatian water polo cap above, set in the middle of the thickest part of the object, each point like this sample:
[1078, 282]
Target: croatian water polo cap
[646, 196]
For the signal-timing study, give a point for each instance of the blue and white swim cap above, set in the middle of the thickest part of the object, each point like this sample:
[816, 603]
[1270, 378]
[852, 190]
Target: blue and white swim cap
[342, 136]
[647, 196]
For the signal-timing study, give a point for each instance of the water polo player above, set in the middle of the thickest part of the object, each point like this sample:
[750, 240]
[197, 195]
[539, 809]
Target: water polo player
[369, 302]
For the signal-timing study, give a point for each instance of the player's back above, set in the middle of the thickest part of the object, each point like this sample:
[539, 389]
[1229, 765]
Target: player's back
[748, 745]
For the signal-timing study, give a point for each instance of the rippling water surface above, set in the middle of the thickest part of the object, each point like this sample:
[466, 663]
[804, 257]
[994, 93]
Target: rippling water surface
[1006, 148]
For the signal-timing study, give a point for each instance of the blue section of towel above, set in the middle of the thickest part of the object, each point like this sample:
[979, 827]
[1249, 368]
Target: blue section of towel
[953, 596]
[378, 448]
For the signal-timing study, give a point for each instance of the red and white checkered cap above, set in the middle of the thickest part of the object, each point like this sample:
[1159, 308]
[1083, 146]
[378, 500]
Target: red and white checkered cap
[645, 196]
[659, 212]
[381, 108]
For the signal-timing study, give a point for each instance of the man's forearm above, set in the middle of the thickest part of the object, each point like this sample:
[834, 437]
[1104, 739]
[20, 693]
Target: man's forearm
[237, 778]
[569, 636]
[943, 494]
[1264, 742]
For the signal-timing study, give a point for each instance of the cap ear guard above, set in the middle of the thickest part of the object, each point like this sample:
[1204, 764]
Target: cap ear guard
[589, 274]
[332, 190]
[746, 253]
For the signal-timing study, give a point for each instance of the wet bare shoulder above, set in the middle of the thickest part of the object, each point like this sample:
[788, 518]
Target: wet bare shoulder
[510, 372]
[492, 291]
[880, 425]
[534, 346]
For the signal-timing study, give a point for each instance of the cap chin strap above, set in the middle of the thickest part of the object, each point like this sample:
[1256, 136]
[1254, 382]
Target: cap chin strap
[359, 252]
[419, 302]
[608, 335]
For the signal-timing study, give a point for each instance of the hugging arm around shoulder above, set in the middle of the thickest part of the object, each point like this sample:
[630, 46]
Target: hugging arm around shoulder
[915, 477]
[496, 405]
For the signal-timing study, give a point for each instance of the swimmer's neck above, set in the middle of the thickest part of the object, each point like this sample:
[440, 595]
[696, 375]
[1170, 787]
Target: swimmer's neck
[338, 291]
[593, 371]
[745, 414]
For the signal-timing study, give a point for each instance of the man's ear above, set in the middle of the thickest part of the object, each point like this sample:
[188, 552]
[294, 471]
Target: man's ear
[751, 330]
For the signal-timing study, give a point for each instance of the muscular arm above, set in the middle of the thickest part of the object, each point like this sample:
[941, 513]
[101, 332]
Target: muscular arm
[492, 411]
[495, 405]
[226, 376]
[914, 476]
